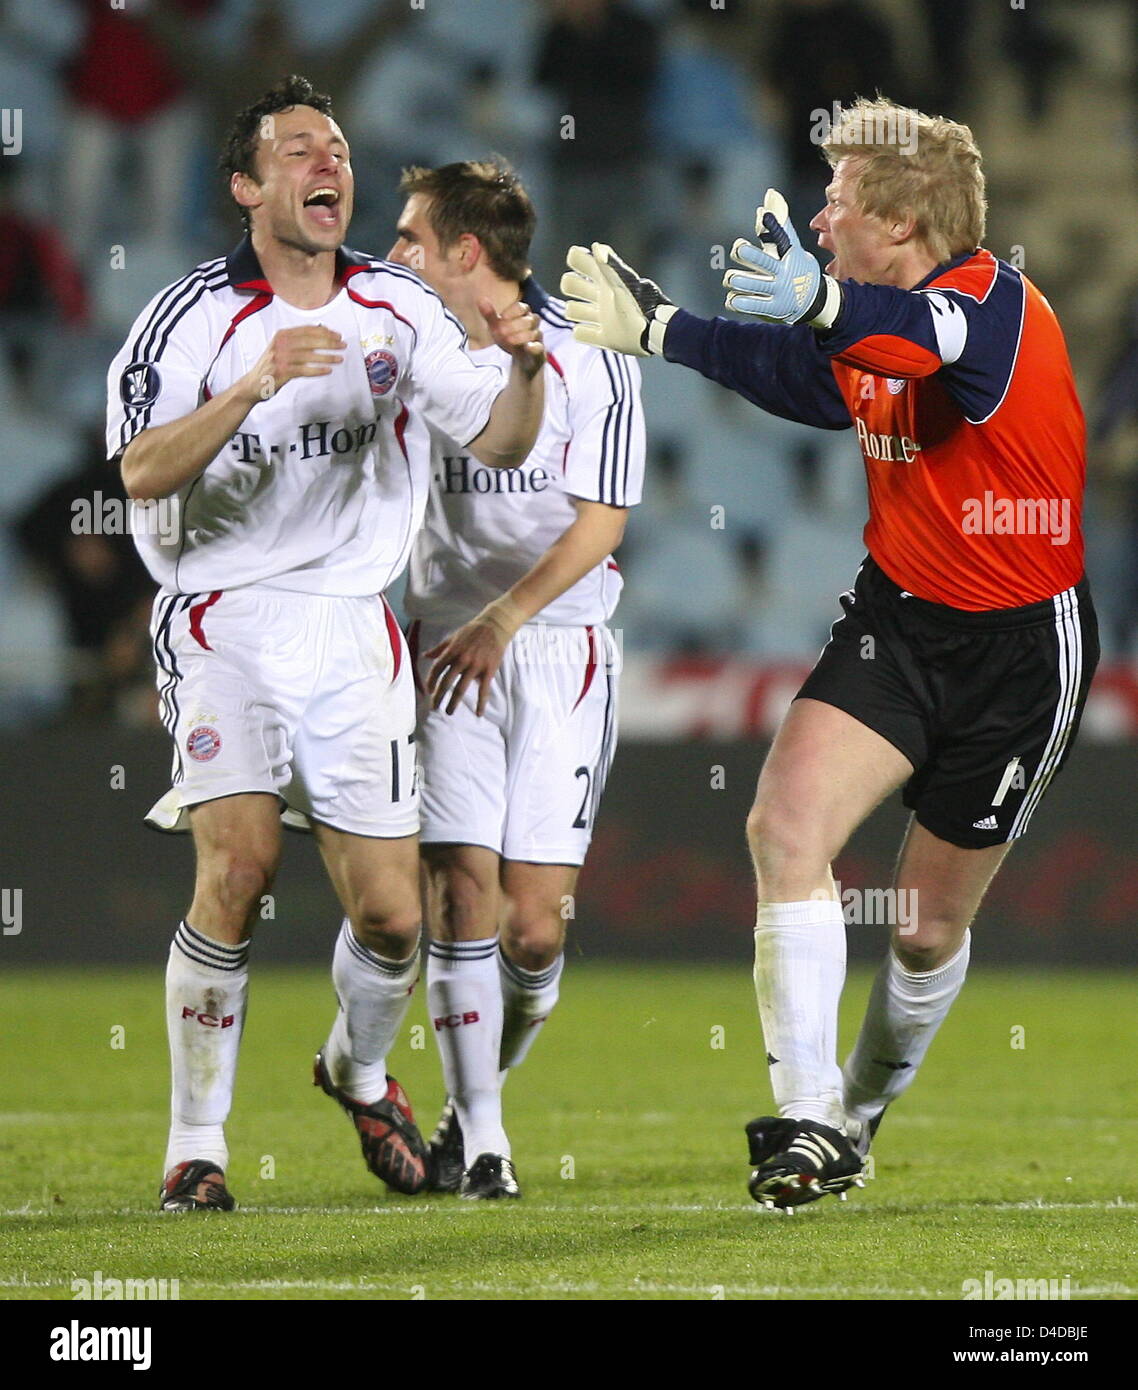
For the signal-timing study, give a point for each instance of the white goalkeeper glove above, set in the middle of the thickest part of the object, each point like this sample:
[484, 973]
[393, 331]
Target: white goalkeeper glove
[611, 305]
[785, 283]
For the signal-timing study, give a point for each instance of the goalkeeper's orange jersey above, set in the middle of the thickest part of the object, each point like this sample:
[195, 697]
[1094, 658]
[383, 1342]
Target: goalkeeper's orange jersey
[977, 508]
[963, 400]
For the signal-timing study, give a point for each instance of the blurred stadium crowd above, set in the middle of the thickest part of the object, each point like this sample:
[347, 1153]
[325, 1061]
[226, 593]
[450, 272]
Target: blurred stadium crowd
[653, 124]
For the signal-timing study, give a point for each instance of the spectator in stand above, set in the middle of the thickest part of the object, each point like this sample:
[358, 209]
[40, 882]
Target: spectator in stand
[1115, 425]
[41, 287]
[1032, 45]
[269, 49]
[123, 86]
[100, 583]
[705, 106]
[37, 38]
[600, 57]
[711, 134]
[949, 26]
[822, 52]
[1132, 46]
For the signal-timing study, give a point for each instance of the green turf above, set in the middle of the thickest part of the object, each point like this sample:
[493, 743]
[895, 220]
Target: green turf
[627, 1131]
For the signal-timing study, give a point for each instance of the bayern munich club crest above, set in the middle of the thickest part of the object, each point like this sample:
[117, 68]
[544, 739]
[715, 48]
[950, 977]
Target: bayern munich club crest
[203, 743]
[382, 369]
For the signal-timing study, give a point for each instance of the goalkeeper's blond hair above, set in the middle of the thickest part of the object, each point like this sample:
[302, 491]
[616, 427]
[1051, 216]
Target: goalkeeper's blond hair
[924, 166]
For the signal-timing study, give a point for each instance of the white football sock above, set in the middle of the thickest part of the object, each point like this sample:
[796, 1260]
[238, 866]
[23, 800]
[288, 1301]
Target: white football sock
[528, 998]
[905, 1009]
[465, 1002]
[207, 984]
[374, 994]
[800, 967]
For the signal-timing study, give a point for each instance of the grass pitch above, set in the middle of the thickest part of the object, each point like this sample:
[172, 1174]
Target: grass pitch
[1014, 1152]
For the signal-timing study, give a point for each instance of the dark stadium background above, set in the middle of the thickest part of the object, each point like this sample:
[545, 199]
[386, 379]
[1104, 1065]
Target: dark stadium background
[681, 115]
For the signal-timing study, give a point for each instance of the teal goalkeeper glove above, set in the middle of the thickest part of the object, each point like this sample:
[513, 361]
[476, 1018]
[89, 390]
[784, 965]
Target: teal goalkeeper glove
[786, 284]
[611, 305]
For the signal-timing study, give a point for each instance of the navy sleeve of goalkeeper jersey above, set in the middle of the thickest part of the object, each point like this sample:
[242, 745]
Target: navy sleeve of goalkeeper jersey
[779, 368]
[964, 322]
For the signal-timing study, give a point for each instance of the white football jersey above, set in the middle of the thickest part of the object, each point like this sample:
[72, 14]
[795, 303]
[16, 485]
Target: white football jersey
[486, 527]
[323, 487]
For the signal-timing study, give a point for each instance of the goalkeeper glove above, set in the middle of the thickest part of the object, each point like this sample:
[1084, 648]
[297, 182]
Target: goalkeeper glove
[611, 305]
[786, 284]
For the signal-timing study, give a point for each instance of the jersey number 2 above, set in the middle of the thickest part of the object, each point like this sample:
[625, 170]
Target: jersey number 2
[581, 823]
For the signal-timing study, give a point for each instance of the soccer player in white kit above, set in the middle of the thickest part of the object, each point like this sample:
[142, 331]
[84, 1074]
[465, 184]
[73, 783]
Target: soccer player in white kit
[278, 401]
[511, 583]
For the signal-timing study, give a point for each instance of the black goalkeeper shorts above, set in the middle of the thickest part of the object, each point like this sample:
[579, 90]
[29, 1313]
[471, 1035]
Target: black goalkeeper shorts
[985, 706]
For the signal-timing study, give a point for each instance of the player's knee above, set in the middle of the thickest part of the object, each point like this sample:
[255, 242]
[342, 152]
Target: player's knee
[533, 937]
[239, 881]
[388, 931]
[783, 847]
[927, 944]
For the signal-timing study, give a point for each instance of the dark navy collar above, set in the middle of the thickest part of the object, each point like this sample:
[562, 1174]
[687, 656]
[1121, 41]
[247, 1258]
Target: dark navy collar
[533, 294]
[245, 273]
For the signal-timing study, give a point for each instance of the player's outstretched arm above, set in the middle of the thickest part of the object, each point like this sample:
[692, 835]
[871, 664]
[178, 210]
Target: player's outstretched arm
[160, 460]
[475, 651]
[777, 367]
[515, 416]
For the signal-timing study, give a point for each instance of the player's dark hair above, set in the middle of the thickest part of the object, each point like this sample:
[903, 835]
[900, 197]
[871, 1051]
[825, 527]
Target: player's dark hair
[484, 198]
[239, 155]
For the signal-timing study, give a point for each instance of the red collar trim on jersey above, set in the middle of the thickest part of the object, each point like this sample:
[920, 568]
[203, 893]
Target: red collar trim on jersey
[245, 273]
[954, 264]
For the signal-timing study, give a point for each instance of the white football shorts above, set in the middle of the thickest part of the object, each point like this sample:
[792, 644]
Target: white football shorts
[309, 697]
[524, 779]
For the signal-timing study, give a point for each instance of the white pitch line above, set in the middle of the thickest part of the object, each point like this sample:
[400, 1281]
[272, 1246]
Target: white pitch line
[564, 1286]
[546, 1209]
[53, 1117]
[651, 1117]
[1115, 1204]
[550, 1287]
[705, 1291]
[619, 1208]
[454, 1210]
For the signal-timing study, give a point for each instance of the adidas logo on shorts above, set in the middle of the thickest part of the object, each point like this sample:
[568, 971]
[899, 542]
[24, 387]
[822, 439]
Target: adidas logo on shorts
[988, 823]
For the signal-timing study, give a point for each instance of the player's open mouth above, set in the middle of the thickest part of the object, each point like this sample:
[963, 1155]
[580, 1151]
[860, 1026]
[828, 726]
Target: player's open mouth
[322, 205]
